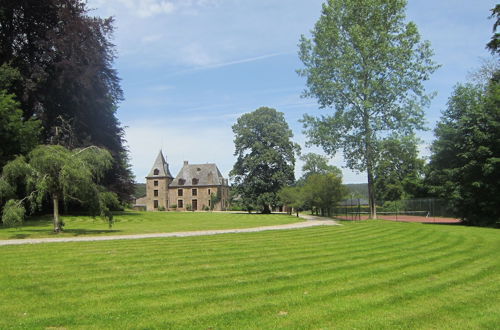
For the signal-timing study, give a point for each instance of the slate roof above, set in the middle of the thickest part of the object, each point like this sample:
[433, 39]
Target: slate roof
[199, 175]
[162, 166]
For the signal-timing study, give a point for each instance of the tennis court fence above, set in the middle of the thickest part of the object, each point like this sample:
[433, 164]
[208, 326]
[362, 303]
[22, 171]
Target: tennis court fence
[358, 209]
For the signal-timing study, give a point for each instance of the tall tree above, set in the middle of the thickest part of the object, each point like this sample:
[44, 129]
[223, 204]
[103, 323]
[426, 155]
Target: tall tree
[367, 64]
[60, 174]
[265, 157]
[465, 160]
[65, 58]
[494, 44]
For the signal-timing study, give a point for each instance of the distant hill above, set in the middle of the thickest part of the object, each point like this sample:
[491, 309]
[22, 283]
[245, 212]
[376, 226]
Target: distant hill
[359, 189]
[140, 190]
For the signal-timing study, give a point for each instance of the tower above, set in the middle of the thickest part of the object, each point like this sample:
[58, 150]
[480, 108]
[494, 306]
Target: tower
[157, 183]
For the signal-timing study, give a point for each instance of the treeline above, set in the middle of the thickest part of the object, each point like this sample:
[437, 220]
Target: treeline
[58, 85]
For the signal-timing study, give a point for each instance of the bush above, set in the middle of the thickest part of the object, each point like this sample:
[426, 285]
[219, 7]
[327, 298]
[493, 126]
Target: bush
[188, 207]
[236, 207]
[13, 213]
[206, 208]
[393, 206]
[173, 206]
[161, 208]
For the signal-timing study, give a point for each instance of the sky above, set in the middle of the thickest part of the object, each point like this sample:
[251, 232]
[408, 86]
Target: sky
[190, 68]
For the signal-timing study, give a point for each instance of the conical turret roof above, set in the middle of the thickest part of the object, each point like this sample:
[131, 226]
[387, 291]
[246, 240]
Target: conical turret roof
[160, 168]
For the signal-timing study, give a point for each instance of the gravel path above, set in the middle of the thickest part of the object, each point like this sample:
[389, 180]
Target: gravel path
[312, 221]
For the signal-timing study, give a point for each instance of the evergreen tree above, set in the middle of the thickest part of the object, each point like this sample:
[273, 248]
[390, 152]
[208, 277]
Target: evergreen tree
[465, 161]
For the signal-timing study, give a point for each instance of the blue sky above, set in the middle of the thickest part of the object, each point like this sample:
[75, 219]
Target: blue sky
[190, 68]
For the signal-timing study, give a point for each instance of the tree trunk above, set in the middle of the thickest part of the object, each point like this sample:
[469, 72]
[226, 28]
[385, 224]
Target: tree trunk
[369, 157]
[57, 224]
[371, 195]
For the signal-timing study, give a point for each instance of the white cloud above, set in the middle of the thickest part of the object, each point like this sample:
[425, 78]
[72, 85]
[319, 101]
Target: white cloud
[147, 8]
[195, 54]
[151, 38]
[161, 88]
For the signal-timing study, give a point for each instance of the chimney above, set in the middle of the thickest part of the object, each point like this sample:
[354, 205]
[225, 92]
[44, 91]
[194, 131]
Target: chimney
[186, 162]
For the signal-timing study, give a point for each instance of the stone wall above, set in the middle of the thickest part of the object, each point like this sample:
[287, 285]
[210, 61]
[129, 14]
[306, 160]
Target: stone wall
[202, 197]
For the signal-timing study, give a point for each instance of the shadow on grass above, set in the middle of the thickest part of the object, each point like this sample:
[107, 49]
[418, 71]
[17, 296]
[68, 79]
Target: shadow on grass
[38, 223]
[79, 232]
[34, 233]
[445, 223]
[19, 236]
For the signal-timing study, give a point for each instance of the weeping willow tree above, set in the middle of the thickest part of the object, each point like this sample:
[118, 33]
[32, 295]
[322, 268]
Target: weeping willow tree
[62, 175]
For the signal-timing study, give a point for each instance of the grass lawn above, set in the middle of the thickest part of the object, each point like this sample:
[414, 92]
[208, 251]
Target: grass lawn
[132, 222]
[372, 274]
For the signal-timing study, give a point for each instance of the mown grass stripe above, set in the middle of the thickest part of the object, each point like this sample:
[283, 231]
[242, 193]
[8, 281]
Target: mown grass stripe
[194, 266]
[195, 288]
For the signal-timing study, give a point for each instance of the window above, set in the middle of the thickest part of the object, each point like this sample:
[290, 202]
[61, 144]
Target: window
[209, 191]
[180, 203]
[156, 171]
[209, 202]
[195, 181]
[155, 204]
[182, 182]
[156, 193]
[195, 192]
[155, 183]
[179, 192]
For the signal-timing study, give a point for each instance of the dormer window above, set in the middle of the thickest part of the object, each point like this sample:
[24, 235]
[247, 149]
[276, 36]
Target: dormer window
[181, 182]
[195, 181]
[156, 171]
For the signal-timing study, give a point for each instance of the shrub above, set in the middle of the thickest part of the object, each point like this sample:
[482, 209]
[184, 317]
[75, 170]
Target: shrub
[13, 213]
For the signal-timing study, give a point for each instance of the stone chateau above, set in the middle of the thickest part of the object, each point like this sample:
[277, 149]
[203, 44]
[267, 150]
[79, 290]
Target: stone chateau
[190, 189]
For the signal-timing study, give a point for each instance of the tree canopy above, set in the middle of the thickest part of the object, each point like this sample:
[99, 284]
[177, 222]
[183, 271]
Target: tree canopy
[399, 172]
[494, 44]
[317, 164]
[265, 157]
[367, 64]
[18, 136]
